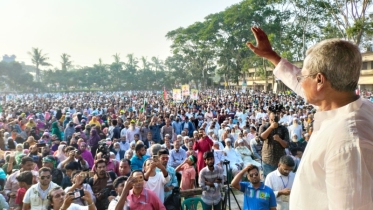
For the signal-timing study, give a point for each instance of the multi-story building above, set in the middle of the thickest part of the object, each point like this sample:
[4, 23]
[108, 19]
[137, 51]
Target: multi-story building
[256, 81]
[9, 59]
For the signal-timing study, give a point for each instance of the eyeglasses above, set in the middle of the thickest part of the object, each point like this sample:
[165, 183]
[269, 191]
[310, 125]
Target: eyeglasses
[45, 177]
[164, 158]
[255, 174]
[300, 78]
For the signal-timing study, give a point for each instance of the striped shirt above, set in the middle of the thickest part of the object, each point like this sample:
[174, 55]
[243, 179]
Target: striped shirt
[211, 195]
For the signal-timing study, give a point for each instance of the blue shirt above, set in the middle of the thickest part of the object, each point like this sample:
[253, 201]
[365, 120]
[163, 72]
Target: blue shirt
[137, 163]
[173, 180]
[262, 198]
[177, 157]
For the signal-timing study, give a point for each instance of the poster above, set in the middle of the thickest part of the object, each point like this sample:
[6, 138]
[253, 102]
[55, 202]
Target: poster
[176, 94]
[185, 89]
[194, 95]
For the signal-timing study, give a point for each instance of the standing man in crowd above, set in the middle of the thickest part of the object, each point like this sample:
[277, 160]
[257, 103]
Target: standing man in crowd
[211, 181]
[275, 139]
[281, 181]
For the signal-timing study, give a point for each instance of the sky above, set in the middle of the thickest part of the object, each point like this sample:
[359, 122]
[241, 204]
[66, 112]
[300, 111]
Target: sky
[91, 29]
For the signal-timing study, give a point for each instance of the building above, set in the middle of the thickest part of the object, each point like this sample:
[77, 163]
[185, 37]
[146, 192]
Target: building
[9, 59]
[254, 81]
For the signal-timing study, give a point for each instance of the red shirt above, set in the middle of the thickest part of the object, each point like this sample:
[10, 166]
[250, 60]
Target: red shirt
[20, 194]
[147, 200]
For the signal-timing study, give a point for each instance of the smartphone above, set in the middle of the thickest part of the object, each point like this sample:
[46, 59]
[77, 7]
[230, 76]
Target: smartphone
[155, 158]
[41, 145]
[139, 179]
[77, 194]
[113, 193]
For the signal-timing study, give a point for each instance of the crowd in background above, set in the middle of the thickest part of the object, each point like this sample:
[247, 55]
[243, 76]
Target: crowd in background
[60, 143]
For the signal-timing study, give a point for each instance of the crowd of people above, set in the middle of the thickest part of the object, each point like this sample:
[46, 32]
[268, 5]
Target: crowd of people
[136, 150]
[95, 141]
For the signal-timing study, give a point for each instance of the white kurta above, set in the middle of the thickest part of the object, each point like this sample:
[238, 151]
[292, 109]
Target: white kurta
[276, 181]
[336, 171]
[246, 156]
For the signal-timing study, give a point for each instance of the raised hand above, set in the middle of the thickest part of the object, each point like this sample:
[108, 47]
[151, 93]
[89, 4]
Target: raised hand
[263, 47]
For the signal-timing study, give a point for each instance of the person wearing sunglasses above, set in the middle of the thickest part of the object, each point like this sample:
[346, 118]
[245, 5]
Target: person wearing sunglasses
[256, 194]
[36, 195]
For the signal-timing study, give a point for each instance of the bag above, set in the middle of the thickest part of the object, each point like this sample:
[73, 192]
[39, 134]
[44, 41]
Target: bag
[173, 201]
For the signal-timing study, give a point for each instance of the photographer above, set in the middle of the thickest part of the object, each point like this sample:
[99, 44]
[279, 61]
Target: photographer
[60, 201]
[275, 139]
[102, 183]
[74, 156]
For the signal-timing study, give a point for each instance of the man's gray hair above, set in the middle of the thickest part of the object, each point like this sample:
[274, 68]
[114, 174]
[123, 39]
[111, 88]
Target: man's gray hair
[339, 60]
[155, 148]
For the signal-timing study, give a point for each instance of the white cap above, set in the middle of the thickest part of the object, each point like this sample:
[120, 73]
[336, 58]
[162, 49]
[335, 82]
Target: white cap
[228, 139]
[240, 141]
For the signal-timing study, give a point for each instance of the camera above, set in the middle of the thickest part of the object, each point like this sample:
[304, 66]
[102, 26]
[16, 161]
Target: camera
[77, 194]
[276, 109]
[226, 162]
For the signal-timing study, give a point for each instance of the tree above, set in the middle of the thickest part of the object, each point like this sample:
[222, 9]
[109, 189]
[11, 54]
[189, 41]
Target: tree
[65, 61]
[38, 59]
[116, 71]
[131, 67]
[351, 18]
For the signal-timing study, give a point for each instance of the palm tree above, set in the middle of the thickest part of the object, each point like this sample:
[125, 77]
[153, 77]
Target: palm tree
[38, 59]
[116, 70]
[66, 62]
[157, 64]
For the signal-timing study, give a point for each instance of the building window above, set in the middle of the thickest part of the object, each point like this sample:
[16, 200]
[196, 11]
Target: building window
[371, 65]
[364, 66]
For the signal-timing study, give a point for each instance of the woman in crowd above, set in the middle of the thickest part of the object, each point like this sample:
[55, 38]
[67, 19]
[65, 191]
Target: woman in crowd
[87, 155]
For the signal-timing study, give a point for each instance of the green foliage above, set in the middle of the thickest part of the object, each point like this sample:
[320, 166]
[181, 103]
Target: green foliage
[216, 45]
[38, 59]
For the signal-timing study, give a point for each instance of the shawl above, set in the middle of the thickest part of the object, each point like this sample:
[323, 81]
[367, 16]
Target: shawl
[94, 138]
[56, 130]
[86, 155]
[95, 122]
[19, 155]
[60, 154]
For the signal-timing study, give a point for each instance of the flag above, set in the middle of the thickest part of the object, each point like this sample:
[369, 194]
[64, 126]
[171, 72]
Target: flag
[143, 108]
[164, 93]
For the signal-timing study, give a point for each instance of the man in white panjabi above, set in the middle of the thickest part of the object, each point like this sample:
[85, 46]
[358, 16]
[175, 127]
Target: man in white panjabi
[235, 159]
[336, 167]
[245, 154]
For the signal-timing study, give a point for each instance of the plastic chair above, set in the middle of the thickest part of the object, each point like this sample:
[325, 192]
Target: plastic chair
[192, 204]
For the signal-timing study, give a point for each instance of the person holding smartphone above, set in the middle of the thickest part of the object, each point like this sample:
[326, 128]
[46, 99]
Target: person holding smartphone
[59, 200]
[136, 196]
[77, 179]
